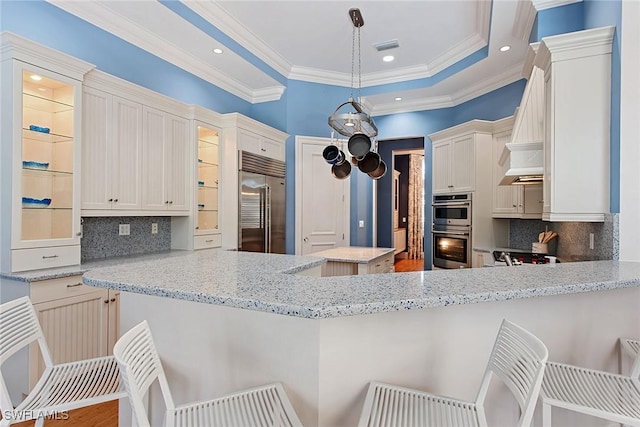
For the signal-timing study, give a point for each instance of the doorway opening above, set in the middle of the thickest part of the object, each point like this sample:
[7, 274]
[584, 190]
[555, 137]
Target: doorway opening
[408, 209]
[400, 211]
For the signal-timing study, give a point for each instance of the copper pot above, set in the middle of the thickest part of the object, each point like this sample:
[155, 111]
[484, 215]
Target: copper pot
[342, 170]
[369, 162]
[379, 171]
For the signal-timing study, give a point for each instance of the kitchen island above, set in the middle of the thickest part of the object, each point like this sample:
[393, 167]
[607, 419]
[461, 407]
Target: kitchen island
[229, 320]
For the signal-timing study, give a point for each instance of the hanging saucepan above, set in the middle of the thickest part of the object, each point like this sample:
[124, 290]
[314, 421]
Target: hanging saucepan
[359, 144]
[379, 171]
[342, 170]
[369, 162]
[333, 155]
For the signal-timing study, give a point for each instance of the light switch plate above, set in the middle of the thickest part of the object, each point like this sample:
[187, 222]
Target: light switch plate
[361, 223]
[124, 229]
[154, 228]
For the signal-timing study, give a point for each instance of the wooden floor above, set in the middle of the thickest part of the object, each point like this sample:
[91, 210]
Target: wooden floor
[403, 265]
[102, 415]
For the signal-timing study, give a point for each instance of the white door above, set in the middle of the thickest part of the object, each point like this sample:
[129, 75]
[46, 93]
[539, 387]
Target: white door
[322, 201]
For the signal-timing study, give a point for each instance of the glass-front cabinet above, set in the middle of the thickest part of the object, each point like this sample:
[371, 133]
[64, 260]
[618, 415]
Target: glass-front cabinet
[47, 191]
[40, 157]
[208, 180]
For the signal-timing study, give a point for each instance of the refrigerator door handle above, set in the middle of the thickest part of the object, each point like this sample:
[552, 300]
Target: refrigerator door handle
[267, 227]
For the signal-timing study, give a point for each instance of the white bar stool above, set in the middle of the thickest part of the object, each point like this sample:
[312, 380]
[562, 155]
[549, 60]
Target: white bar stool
[518, 359]
[140, 366]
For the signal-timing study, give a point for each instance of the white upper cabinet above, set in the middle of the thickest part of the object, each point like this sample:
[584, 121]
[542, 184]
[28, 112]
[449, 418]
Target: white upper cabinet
[454, 156]
[577, 81]
[165, 151]
[111, 152]
[137, 151]
[40, 156]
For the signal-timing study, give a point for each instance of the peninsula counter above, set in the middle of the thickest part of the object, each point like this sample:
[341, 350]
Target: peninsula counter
[224, 321]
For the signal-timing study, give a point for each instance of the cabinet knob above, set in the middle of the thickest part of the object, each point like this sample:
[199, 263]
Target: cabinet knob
[514, 206]
[197, 227]
[110, 200]
[115, 200]
[79, 234]
[263, 149]
[166, 202]
[450, 186]
[170, 202]
[106, 301]
[112, 300]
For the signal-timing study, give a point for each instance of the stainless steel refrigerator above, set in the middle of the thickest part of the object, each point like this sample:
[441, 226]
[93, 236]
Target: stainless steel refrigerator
[261, 213]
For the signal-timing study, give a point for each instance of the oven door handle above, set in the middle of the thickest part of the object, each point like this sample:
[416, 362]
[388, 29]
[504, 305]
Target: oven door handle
[445, 204]
[453, 233]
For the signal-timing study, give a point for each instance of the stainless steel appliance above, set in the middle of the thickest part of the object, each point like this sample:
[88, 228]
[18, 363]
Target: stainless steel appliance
[452, 209]
[451, 246]
[261, 214]
[451, 232]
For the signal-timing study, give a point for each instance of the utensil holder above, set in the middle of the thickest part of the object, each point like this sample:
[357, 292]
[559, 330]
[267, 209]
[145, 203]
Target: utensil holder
[539, 248]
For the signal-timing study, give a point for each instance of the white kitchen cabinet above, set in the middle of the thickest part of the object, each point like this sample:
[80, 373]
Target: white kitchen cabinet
[454, 164]
[165, 150]
[260, 144]
[512, 201]
[39, 156]
[112, 152]
[577, 83]
[137, 155]
[78, 321]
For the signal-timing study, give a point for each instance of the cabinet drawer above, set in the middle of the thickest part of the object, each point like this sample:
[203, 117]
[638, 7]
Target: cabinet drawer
[207, 241]
[39, 258]
[382, 265]
[63, 287]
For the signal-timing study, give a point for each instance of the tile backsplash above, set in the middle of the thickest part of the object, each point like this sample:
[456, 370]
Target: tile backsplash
[101, 239]
[572, 243]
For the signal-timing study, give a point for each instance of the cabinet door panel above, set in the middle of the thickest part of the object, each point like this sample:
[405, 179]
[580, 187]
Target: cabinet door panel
[127, 144]
[97, 148]
[463, 170]
[154, 194]
[506, 198]
[74, 329]
[177, 164]
[441, 167]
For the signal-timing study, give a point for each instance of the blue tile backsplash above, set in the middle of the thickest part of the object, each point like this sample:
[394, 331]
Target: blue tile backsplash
[572, 243]
[101, 239]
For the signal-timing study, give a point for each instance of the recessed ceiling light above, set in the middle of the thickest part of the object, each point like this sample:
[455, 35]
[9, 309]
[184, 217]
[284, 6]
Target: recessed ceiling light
[398, 98]
[217, 50]
[388, 58]
[35, 77]
[41, 89]
[505, 48]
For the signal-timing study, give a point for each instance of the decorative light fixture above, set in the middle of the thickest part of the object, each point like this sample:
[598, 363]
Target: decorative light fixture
[356, 125]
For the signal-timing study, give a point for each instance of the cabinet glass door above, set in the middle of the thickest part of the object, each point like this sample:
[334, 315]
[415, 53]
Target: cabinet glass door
[47, 158]
[208, 178]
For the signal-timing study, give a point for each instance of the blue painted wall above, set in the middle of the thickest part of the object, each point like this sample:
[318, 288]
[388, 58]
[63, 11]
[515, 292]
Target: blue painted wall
[600, 13]
[558, 20]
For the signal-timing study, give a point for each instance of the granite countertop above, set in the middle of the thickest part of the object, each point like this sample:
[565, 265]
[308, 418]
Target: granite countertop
[74, 270]
[354, 254]
[264, 282]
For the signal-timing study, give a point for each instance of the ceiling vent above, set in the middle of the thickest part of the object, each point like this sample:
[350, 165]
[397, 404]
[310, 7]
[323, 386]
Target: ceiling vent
[391, 44]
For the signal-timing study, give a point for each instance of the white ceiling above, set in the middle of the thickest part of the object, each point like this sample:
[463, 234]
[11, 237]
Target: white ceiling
[312, 41]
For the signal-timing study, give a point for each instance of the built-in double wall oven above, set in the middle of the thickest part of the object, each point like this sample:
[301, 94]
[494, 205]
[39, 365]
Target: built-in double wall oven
[451, 232]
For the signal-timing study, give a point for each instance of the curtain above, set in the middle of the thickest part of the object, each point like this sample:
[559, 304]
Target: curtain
[416, 207]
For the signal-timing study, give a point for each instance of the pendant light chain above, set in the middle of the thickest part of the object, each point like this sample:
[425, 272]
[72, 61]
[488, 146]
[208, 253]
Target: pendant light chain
[359, 67]
[353, 56]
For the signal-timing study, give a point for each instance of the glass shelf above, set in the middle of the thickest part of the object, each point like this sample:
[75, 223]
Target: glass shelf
[207, 186]
[40, 103]
[32, 135]
[53, 172]
[205, 164]
[46, 209]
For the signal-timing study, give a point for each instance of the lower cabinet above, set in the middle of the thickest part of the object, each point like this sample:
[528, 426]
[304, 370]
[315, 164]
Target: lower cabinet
[382, 264]
[78, 321]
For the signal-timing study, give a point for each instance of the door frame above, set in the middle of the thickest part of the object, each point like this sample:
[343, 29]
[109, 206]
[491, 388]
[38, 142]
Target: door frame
[312, 140]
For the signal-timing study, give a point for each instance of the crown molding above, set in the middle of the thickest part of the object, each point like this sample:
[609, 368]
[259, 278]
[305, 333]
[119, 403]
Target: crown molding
[13, 46]
[456, 53]
[529, 60]
[523, 23]
[476, 126]
[574, 45]
[106, 19]
[431, 103]
[241, 121]
[548, 4]
[223, 21]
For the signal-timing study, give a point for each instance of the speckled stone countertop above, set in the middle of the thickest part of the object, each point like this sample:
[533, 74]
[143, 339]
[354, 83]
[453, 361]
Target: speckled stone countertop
[263, 282]
[354, 254]
[74, 270]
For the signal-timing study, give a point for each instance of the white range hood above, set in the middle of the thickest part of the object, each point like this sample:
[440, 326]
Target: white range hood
[522, 160]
